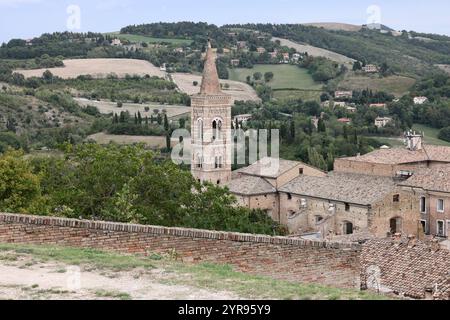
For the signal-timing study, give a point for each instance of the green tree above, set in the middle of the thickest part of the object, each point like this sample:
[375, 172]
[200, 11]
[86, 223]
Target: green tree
[268, 76]
[19, 186]
[257, 76]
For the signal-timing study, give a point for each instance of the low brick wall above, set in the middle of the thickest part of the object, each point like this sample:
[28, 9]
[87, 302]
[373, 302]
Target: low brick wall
[334, 264]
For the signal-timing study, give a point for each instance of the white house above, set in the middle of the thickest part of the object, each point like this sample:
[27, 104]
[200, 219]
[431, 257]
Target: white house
[420, 100]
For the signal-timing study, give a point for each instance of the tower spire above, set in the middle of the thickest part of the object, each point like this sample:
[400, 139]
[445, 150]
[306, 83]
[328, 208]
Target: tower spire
[210, 80]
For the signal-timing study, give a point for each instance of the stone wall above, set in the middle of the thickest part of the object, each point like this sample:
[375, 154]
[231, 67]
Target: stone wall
[334, 264]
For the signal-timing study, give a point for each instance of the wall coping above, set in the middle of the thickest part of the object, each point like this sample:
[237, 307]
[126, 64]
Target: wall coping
[7, 218]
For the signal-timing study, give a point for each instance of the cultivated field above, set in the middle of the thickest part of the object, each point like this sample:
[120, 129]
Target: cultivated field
[98, 68]
[135, 38]
[396, 85]
[285, 76]
[315, 51]
[59, 273]
[239, 91]
[153, 142]
[335, 26]
[108, 107]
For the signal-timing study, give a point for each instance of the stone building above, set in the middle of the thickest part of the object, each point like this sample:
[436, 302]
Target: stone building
[397, 162]
[346, 203]
[431, 191]
[211, 127]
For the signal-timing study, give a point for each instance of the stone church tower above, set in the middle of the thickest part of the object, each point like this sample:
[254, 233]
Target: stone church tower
[211, 127]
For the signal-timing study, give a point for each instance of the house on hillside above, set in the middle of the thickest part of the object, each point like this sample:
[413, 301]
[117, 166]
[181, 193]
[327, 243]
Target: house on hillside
[370, 68]
[420, 100]
[261, 50]
[378, 105]
[116, 42]
[345, 121]
[381, 122]
[235, 62]
[343, 94]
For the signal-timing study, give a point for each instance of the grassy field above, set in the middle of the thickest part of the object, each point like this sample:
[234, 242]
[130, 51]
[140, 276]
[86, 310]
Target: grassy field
[305, 95]
[210, 277]
[139, 39]
[431, 135]
[396, 85]
[286, 76]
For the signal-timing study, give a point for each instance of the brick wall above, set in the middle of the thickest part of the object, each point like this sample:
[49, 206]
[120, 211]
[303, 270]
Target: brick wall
[327, 263]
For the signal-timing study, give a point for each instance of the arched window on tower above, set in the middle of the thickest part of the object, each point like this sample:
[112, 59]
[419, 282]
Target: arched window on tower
[200, 129]
[199, 161]
[217, 129]
[220, 162]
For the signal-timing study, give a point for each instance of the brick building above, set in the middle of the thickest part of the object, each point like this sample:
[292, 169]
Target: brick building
[431, 190]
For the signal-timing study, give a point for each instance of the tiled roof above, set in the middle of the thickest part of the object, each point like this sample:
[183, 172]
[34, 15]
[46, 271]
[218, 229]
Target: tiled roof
[408, 267]
[437, 179]
[250, 185]
[402, 155]
[269, 167]
[344, 187]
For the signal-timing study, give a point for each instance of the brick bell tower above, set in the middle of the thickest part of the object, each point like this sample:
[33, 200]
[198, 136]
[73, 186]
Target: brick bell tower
[211, 127]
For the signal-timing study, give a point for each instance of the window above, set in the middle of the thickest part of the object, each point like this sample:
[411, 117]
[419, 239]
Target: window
[289, 196]
[440, 228]
[423, 205]
[396, 198]
[440, 205]
[200, 129]
[300, 171]
[424, 226]
[218, 182]
[347, 207]
[348, 228]
[319, 219]
[217, 129]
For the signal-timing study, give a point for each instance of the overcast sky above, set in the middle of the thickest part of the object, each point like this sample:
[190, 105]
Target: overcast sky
[29, 18]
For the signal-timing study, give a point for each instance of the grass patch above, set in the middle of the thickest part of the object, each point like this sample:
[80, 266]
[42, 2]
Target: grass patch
[205, 276]
[285, 76]
[223, 277]
[113, 295]
[140, 38]
[431, 135]
[74, 256]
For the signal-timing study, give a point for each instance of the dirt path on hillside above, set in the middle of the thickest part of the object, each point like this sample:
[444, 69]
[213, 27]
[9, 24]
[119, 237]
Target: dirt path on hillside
[26, 279]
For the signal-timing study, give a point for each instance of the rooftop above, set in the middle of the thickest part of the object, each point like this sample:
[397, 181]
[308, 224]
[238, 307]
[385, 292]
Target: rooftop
[270, 167]
[403, 155]
[437, 179]
[344, 187]
[251, 185]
